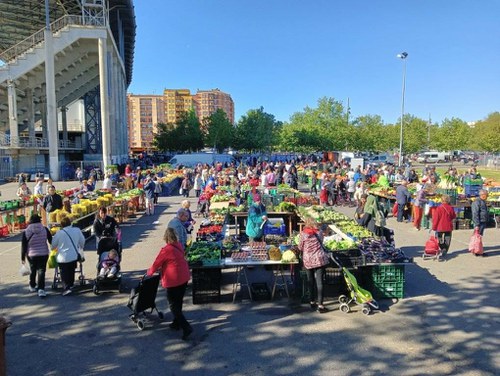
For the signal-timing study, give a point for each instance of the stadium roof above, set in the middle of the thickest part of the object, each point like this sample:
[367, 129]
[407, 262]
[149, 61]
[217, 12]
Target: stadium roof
[19, 19]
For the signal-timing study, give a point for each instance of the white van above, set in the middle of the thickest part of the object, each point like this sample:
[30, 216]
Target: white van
[433, 157]
[191, 160]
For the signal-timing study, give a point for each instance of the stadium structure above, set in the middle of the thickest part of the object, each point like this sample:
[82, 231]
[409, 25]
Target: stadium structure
[58, 56]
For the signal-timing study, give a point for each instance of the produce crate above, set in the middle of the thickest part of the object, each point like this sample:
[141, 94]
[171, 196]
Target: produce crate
[278, 199]
[206, 296]
[472, 190]
[463, 224]
[350, 258]
[206, 279]
[206, 285]
[270, 227]
[333, 276]
[260, 291]
[388, 273]
[391, 289]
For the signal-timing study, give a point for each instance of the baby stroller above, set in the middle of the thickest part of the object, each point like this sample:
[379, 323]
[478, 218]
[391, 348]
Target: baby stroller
[105, 245]
[203, 206]
[142, 298]
[357, 294]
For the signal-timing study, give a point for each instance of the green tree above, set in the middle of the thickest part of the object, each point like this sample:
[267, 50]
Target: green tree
[321, 128]
[453, 134]
[414, 134]
[220, 131]
[184, 135]
[485, 134]
[256, 130]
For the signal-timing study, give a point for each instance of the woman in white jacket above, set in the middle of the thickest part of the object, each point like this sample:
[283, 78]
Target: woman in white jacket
[68, 241]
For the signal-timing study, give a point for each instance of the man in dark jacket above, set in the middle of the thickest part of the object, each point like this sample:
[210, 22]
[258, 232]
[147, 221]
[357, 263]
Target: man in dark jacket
[104, 225]
[480, 212]
[403, 197]
[52, 201]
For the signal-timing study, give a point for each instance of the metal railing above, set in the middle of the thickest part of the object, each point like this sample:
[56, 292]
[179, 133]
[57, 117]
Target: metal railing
[24, 142]
[35, 39]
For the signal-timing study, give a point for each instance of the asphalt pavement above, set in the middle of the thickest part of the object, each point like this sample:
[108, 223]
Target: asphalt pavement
[447, 324]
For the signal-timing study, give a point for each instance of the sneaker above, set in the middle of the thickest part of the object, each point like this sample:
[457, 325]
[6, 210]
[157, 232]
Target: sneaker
[322, 309]
[111, 276]
[66, 292]
[42, 293]
[32, 289]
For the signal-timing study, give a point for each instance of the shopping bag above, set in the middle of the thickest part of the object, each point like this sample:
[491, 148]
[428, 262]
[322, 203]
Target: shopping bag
[395, 210]
[476, 243]
[432, 246]
[25, 270]
[52, 262]
[181, 191]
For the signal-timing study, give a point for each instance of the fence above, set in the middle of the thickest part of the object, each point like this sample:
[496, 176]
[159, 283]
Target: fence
[67, 170]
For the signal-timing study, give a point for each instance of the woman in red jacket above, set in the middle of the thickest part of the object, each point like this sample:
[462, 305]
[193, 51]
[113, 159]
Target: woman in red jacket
[442, 223]
[174, 271]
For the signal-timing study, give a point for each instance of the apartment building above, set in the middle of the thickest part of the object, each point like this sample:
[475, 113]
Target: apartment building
[177, 101]
[206, 102]
[144, 112]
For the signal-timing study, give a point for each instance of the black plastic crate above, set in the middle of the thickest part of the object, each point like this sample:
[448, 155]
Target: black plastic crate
[206, 296]
[350, 258]
[260, 291]
[206, 279]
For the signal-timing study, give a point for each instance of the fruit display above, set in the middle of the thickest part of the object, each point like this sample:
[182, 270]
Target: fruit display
[274, 253]
[339, 245]
[207, 253]
[380, 251]
[288, 257]
[286, 207]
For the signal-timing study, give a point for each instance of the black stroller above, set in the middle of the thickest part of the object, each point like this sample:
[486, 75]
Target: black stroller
[143, 297]
[105, 245]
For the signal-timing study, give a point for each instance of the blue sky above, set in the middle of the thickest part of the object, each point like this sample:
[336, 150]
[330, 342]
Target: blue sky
[286, 54]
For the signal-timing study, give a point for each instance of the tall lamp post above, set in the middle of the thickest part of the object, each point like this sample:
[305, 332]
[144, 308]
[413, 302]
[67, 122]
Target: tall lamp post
[402, 56]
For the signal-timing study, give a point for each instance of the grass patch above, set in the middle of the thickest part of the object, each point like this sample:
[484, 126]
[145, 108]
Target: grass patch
[487, 173]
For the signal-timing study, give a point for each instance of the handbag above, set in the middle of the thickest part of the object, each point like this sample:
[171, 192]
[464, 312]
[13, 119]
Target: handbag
[52, 261]
[476, 243]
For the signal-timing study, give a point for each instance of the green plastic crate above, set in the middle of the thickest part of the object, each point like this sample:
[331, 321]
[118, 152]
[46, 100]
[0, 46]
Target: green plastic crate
[383, 290]
[388, 273]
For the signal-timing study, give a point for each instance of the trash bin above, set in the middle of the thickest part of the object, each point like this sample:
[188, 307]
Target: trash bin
[4, 324]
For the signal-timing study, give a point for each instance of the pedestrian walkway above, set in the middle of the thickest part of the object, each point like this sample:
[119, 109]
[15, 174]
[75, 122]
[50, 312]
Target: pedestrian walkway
[446, 323]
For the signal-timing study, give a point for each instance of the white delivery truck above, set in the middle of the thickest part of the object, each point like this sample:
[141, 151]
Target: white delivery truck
[192, 159]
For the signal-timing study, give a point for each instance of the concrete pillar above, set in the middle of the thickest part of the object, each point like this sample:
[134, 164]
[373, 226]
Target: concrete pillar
[50, 88]
[30, 113]
[13, 123]
[43, 114]
[64, 121]
[104, 90]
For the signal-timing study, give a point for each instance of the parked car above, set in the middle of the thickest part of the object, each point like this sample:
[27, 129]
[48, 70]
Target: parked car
[380, 159]
[433, 157]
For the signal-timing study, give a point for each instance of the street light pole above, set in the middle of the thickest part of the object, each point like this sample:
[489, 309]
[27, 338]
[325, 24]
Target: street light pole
[402, 56]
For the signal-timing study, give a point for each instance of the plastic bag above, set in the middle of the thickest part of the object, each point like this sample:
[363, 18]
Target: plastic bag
[25, 270]
[476, 243]
[52, 261]
[181, 191]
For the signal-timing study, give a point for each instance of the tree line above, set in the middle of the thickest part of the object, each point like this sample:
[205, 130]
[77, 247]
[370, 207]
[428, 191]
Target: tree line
[325, 127]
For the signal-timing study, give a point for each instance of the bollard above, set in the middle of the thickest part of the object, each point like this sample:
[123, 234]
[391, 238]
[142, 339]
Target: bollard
[4, 324]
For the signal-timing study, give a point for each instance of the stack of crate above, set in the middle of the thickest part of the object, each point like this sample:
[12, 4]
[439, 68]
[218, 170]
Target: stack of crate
[387, 281]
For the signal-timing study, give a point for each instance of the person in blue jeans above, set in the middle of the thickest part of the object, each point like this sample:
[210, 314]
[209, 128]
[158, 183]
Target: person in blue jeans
[403, 197]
